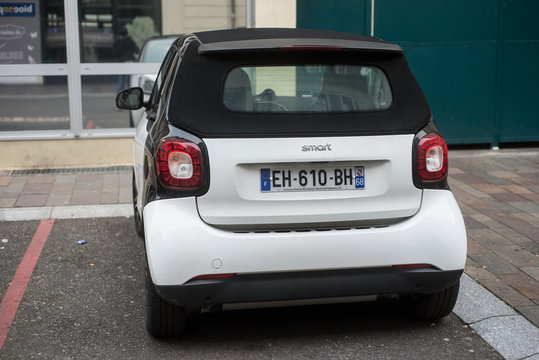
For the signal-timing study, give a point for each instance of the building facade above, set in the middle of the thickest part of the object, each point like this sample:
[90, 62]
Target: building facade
[60, 71]
[475, 61]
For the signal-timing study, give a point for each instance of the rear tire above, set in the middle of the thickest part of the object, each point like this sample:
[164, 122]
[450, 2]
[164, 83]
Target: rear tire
[432, 306]
[162, 318]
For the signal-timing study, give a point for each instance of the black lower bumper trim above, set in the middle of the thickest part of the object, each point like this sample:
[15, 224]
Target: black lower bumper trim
[308, 285]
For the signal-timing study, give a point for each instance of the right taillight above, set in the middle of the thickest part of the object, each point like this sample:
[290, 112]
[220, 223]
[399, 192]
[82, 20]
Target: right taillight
[180, 164]
[432, 158]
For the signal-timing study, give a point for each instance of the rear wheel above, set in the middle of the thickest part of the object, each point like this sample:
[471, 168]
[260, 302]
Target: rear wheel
[432, 306]
[162, 318]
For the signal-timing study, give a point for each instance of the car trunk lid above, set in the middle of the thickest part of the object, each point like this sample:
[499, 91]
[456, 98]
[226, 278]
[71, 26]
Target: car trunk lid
[257, 183]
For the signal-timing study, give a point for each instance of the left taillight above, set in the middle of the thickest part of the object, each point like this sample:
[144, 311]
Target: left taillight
[180, 164]
[432, 158]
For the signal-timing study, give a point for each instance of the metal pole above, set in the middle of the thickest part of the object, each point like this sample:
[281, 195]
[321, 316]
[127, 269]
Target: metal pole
[233, 13]
[74, 86]
[372, 17]
[249, 10]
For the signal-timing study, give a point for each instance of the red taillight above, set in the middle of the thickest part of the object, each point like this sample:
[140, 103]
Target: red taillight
[432, 158]
[179, 164]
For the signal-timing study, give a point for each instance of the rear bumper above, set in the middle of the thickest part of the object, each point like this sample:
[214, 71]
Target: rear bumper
[308, 285]
[180, 247]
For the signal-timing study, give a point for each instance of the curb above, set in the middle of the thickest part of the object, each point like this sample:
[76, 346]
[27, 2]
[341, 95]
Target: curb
[66, 212]
[509, 333]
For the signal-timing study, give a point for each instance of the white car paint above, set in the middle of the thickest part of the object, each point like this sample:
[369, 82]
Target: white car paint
[138, 157]
[235, 199]
[181, 246]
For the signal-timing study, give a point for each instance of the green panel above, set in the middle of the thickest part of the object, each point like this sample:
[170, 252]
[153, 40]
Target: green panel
[476, 60]
[519, 110]
[451, 46]
[459, 83]
[348, 16]
[520, 98]
[436, 20]
[521, 20]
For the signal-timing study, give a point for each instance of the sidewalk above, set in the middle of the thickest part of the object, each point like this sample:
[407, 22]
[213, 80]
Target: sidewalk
[498, 193]
[65, 187]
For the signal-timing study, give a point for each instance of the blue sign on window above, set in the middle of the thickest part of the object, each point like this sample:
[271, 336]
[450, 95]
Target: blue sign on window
[17, 9]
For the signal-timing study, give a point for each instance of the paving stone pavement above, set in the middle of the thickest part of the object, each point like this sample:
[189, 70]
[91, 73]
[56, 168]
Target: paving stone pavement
[497, 191]
[80, 187]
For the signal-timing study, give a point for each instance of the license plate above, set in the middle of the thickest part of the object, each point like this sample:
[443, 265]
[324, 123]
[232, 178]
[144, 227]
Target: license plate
[312, 179]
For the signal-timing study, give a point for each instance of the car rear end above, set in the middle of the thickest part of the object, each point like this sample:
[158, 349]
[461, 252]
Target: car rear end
[298, 167]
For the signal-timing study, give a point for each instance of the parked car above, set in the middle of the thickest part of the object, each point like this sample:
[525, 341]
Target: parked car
[153, 50]
[290, 164]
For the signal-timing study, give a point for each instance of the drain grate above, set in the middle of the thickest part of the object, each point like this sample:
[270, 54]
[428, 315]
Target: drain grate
[90, 170]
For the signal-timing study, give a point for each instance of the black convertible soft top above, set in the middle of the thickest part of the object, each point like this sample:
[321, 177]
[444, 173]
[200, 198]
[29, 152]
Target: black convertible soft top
[196, 102]
[274, 39]
[207, 37]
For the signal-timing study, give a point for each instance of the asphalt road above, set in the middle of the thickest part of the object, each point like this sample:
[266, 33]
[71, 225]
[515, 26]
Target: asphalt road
[87, 301]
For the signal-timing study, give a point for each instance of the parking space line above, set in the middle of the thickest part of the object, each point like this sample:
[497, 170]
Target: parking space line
[15, 292]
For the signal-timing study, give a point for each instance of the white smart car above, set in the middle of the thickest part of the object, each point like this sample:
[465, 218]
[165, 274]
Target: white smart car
[289, 164]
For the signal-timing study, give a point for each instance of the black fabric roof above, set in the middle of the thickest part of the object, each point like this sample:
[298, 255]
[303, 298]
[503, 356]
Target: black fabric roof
[196, 102]
[207, 37]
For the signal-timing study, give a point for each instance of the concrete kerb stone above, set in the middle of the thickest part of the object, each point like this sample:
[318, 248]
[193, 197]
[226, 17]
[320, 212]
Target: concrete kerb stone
[475, 303]
[499, 325]
[513, 337]
[26, 213]
[66, 212]
[92, 211]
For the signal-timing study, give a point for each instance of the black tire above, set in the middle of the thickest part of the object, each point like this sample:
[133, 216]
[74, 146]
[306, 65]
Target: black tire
[139, 224]
[162, 318]
[432, 306]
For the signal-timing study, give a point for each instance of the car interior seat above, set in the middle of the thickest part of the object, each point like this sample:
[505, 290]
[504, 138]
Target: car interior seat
[237, 94]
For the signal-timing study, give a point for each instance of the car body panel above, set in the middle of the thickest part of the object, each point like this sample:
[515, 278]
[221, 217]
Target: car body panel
[235, 197]
[180, 246]
[141, 133]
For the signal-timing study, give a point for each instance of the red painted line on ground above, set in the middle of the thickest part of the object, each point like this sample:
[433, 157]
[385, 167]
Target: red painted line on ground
[16, 290]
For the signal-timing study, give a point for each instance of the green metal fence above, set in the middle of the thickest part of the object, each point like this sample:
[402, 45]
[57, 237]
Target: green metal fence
[477, 61]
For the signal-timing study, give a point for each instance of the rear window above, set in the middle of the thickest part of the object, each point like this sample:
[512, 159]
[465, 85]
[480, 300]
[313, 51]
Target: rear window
[307, 89]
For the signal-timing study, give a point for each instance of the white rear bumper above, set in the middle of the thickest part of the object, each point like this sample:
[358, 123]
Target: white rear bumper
[180, 246]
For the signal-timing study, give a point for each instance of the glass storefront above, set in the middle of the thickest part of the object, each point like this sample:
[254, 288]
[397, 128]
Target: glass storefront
[53, 31]
[98, 102]
[34, 103]
[32, 32]
[63, 61]
[104, 23]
